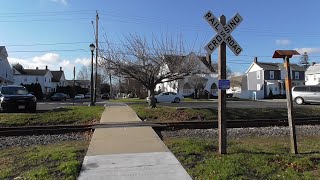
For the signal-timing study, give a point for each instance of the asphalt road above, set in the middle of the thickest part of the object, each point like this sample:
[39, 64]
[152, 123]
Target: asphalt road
[43, 106]
[280, 103]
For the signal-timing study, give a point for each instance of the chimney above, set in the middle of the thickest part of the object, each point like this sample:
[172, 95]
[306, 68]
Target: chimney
[37, 68]
[46, 67]
[255, 60]
[60, 68]
[313, 63]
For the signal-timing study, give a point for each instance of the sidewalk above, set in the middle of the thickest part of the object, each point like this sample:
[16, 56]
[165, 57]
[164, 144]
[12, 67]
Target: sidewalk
[128, 152]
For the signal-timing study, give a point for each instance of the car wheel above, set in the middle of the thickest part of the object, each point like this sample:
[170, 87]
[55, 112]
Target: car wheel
[299, 100]
[177, 100]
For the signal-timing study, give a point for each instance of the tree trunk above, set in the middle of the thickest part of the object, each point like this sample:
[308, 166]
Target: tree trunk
[152, 101]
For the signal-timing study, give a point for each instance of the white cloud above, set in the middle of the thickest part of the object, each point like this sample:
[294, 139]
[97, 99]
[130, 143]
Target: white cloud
[283, 42]
[83, 61]
[233, 74]
[47, 58]
[308, 50]
[64, 2]
[53, 61]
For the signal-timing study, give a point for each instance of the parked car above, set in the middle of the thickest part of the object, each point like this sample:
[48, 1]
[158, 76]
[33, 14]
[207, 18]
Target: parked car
[306, 94]
[13, 98]
[79, 96]
[88, 95]
[105, 96]
[59, 97]
[168, 97]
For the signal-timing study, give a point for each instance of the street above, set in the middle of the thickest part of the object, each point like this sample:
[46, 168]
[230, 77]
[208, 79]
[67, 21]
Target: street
[279, 103]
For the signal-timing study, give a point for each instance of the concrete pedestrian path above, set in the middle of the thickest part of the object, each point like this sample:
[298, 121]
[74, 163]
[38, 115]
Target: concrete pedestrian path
[130, 153]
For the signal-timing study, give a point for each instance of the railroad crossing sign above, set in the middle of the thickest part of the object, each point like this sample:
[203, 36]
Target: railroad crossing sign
[223, 33]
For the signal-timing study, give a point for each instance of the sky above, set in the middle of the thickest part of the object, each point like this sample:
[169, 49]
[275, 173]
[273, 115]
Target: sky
[57, 33]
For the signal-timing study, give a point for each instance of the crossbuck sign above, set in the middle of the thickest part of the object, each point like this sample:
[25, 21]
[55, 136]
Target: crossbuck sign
[223, 33]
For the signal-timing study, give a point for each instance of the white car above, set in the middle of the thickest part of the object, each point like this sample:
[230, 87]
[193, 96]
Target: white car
[79, 96]
[168, 97]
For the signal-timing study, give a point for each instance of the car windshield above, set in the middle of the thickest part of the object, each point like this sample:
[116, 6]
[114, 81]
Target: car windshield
[14, 91]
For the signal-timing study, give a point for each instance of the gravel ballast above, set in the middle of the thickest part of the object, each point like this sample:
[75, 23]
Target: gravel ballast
[236, 133]
[24, 141]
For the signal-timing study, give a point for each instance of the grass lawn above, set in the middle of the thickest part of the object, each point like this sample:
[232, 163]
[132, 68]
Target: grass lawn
[55, 161]
[249, 158]
[162, 113]
[66, 115]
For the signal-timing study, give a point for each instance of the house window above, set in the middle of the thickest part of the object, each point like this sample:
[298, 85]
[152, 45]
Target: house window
[25, 79]
[258, 87]
[37, 79]
[271, 74]
[296, 75]
[258, 74]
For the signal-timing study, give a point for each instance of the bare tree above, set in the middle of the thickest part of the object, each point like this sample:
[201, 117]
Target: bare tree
[84, 73]
[150, 63]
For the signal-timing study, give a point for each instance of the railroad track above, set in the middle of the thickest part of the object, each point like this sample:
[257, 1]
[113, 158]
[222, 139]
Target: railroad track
[60, 129]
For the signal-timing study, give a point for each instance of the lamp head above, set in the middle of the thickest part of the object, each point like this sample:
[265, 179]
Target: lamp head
[92, 47]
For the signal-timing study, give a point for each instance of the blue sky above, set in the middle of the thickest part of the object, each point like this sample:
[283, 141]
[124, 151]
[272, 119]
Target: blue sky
[58, 32]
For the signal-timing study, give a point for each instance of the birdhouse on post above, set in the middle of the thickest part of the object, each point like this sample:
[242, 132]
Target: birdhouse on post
[286, 55]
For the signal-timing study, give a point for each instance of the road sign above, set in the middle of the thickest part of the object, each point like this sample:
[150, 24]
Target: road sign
[223, 33]
[224, 84]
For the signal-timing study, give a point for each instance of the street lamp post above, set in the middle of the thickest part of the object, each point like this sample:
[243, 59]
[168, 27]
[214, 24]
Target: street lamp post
[92, 47]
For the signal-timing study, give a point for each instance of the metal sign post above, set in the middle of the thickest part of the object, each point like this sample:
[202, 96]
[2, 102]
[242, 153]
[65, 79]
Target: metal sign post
[221, 39]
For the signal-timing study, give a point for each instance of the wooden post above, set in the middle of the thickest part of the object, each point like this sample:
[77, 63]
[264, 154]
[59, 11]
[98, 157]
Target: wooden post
[222, 95]
[292, 127]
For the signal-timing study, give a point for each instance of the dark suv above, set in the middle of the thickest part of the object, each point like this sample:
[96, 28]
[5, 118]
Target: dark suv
[13, 98]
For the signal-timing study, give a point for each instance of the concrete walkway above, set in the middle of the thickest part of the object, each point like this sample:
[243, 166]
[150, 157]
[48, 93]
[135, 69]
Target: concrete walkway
[135, 153]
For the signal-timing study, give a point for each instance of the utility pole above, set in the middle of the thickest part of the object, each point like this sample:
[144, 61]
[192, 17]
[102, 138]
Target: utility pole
[97, 54]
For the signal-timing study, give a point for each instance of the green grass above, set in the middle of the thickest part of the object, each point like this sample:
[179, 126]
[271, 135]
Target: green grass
[248, 158]
[66, 115]
[55, 161]
[162, 113]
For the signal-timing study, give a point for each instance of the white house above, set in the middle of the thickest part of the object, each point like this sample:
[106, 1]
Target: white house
[267, 79]
[6, 76]
[313, 74]
[58, 79]
[29, 76]
[205, 82]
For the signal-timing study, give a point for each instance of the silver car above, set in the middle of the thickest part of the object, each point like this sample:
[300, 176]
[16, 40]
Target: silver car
[306, 94]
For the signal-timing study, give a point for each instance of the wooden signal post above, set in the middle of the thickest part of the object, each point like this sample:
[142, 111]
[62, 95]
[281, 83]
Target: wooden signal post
[286, 54]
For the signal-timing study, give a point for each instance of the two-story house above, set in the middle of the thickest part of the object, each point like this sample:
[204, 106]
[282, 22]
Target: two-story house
[6, 76]
[313, 74]
[205, 82]
[266, 79]
[29, 76]
[58, 79]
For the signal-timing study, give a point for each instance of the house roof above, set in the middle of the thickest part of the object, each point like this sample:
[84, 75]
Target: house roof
[276, 66]
[56, 76]
[314, 69]
[33, 72]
